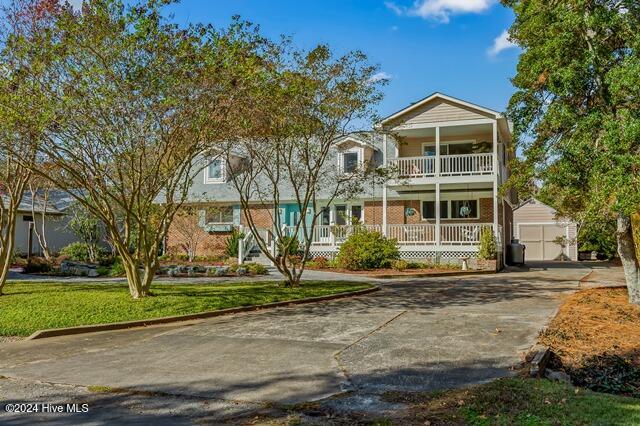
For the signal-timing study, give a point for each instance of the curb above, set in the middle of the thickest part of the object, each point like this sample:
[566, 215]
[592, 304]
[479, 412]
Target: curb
[55, 332]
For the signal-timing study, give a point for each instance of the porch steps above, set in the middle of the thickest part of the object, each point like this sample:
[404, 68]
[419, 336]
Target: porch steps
[256, 256]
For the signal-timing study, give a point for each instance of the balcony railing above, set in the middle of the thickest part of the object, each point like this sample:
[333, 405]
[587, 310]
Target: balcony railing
[450, 165]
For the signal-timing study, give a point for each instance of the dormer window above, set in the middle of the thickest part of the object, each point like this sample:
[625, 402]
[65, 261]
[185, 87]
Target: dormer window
[350, 160]
[215, 171]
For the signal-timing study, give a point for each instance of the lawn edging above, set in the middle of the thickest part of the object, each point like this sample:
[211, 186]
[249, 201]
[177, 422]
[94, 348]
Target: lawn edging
[67, 331]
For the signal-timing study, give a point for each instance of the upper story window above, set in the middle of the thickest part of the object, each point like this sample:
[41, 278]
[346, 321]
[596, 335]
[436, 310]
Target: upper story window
[215, 171]
[350, 161]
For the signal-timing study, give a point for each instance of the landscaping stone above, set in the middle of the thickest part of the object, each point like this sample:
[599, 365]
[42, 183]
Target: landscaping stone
[221, 271]
[559, 376]
[78, 269]
[242, 271]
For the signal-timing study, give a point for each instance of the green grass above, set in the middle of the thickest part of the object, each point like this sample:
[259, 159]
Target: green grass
[517, 401]
[30, 306]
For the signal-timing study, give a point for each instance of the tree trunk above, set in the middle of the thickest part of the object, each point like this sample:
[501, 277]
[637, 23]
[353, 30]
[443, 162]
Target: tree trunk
[7, 251]
[628, 256]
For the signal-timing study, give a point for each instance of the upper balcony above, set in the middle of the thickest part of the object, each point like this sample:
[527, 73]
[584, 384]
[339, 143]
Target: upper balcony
[450, 165]
[445, 139]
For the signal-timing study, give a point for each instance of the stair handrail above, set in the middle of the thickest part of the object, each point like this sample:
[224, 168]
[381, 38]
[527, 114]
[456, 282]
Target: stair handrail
[244, 247]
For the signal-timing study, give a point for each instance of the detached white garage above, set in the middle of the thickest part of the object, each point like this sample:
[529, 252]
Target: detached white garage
[536, 226]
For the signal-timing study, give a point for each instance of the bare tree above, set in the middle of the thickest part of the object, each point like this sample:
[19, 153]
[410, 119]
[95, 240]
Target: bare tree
[187, 231]
[40, 193]
[300, 108]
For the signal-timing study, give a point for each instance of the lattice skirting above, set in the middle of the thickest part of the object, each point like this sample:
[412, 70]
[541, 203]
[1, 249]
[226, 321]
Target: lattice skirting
[424, 255]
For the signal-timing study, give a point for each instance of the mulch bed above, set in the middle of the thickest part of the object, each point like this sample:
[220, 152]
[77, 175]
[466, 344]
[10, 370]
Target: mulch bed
[595, 338]
[388, 271]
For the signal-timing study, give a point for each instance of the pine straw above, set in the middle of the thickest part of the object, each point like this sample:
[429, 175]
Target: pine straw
[595, 322]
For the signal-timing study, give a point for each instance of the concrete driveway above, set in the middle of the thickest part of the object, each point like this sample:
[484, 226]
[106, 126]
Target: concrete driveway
[412, 335]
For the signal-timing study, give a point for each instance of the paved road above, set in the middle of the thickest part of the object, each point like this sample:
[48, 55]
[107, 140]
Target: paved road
[412, 335]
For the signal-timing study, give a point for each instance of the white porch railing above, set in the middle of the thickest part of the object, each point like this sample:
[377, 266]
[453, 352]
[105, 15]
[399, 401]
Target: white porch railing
[462, 234]
[418, 234]
[412, 234]
[450, 165]
[332, 234]
[466, 164]
[408, 167]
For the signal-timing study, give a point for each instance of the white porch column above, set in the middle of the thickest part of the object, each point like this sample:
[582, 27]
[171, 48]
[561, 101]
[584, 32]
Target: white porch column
[384, 187]
[438, 235]
[384, 210]
[495, 177]
[437, 168]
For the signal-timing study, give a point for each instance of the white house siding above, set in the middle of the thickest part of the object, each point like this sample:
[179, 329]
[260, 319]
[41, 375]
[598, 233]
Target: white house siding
[535, 225]
[58, 236]
[440, 110]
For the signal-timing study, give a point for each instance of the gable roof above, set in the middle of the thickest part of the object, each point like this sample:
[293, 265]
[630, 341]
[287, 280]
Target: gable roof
[529, 200]
[438, 95]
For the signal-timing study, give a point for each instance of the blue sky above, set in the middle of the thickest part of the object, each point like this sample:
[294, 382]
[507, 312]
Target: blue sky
[422, 45]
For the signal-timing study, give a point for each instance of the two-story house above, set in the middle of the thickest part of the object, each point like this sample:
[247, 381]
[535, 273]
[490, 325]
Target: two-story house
[449, 158]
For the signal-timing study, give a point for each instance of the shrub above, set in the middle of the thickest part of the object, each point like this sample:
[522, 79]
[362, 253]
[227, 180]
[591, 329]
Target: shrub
[77, 251]
[231, 248]
[320, 262]
[487, 249]
[117, 269]
[37, 265]
[399, 265]
[256, 268]
[367, 250]
[293, 248]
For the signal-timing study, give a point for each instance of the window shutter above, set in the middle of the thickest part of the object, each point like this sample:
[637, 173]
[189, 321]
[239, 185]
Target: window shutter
[202, 218]
[236, 215]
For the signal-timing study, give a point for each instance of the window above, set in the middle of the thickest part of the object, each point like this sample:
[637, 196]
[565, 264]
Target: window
[429, 209]
[453, 148]
[341, 215]
[462, 209]
[223, 214]
[356, 214]
[325, 219]
[350, 162]
[26, 218]
[214, 173]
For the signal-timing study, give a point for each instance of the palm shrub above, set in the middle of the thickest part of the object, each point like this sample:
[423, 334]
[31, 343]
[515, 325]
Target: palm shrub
[231, 248]
[488, 250]
[367, 250]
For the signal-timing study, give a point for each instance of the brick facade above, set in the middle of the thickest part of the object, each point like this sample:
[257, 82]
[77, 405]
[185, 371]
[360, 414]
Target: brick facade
[396, 213]
[208, 244]
[262, 216]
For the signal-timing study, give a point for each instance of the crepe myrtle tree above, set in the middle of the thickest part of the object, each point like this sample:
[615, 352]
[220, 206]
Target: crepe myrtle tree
[576, 111]
[128, 121]
[24, 109]
[295, 114]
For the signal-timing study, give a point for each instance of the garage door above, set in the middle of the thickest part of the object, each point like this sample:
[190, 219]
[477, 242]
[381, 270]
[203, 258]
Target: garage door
[539, 241]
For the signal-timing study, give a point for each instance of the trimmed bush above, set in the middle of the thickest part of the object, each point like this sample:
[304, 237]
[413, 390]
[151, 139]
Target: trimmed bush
[36, 265]
[488, 250]
[117, 269]
[400, 265]
[320, 262]
[78, 252]
[367, 250]
[256, 268]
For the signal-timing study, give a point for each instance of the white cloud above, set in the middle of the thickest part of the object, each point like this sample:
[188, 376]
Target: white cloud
[501, 43]
[441, 10]
[380, 76]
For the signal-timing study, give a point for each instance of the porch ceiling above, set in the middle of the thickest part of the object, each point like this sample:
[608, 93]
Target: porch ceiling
[430, 132]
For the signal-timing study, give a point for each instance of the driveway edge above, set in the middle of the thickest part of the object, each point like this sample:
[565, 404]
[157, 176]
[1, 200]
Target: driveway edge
[68, 331]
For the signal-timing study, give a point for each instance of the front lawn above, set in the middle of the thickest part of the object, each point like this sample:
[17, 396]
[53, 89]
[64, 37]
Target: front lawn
[517, 401]
[30, 306]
